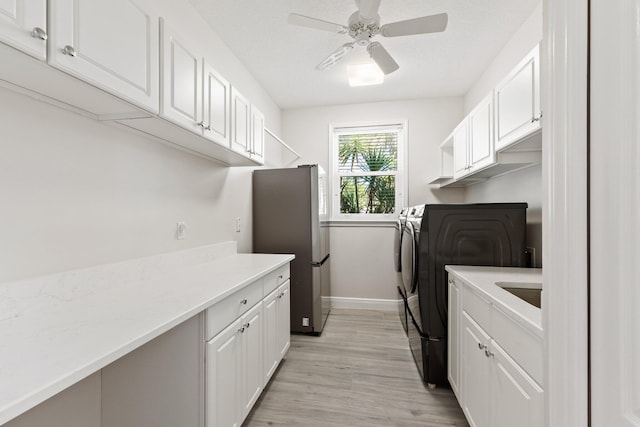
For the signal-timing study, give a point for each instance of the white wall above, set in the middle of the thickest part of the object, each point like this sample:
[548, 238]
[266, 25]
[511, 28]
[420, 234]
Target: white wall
[362, 262]
[76, 192]
[525, 185]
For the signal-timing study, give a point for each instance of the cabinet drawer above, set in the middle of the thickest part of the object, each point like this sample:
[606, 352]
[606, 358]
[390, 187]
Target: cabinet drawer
[476, 307]
[275, 278]
[522, 346]
[229, 309]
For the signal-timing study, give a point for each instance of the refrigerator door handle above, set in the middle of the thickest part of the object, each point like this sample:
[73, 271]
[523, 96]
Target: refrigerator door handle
[319, 264]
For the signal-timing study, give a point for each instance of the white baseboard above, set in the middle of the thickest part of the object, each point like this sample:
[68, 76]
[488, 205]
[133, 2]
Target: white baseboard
[364, 303]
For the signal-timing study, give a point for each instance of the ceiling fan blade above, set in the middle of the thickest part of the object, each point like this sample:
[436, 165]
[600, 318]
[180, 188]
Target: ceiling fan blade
[335, 57]
[368, 10]
[318, 24]
[424, 25]
[381, 57]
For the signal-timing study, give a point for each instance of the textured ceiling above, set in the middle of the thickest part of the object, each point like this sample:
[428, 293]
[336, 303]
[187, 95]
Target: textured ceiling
[282, 57]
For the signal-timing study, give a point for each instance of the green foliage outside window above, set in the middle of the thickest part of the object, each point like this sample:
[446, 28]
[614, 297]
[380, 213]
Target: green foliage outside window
[363, 161]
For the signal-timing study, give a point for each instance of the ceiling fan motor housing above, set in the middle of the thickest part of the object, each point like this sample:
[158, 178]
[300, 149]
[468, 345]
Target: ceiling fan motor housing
[362, 32]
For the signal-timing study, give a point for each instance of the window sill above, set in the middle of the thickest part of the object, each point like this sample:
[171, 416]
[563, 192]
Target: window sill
[384, 223]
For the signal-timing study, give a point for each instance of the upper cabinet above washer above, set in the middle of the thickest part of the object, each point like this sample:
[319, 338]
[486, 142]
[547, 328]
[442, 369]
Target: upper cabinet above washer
[112, 45]
[23, 25]
[517, 102]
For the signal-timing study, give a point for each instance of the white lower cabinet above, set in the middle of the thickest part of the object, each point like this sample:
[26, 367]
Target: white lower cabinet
[241, 358]
[492, 385]
[277, 328]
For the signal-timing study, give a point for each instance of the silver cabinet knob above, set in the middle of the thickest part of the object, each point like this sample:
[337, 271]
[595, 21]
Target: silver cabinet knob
[39, 33]
[207, 128]
[481, 346]
[69, 50]
[488, 353]
[246, 325]
[201, 124]
[243, 301]
[241, 330]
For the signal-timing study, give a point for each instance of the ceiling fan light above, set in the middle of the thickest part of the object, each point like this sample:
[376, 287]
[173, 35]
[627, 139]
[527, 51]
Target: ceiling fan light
[364, 74]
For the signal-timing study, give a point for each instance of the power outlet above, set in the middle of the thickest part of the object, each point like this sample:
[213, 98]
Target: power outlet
[237, 225]
[305, 321]
[532, 255]
[181, 230]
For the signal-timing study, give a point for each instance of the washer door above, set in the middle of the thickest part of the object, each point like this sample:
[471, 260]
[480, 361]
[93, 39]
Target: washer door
[397, 242]
[409, 266]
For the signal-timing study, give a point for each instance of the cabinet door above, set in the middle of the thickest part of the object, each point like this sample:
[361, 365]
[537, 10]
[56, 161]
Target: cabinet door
[481, 150]
[252, 358]
[223, 366]
[476, 374]
[460, 150]
[23, 25]
[257, 135]
[517, 100]
[271, 333]
[240, 123]
[517, 399]
[216, 106]
[453, 343]
[284, 316]
[110, 44]
[181, 80]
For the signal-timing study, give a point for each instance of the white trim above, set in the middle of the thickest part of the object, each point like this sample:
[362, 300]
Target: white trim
[401, 175]
[390, 305]
[564, 212]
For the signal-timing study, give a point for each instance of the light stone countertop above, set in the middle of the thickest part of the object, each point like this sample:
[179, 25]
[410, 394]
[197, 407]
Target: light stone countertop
[57, 330]
[483, 280]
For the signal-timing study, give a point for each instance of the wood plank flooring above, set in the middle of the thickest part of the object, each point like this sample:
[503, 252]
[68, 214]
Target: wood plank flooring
[360, 372]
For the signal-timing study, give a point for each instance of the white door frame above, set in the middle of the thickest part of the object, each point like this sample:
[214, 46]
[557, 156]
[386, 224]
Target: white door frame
[614, 171]
[564, 212]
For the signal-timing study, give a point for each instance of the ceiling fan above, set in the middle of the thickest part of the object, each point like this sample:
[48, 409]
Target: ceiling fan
[363, 25]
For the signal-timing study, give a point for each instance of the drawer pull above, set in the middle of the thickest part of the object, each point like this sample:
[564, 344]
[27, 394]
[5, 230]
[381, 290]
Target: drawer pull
[243, 301]
[241, 330]
[280, 277]
[246, 325]
[488, 353]
[481, 346]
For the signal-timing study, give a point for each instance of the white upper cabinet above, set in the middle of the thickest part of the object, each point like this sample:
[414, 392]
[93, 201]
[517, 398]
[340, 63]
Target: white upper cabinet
[461, 150]
[481, 149]
[517, 100]
[257, 135]
[110, 44]
[216, 106]
[181, 99]
[240, 122]
[23, 25]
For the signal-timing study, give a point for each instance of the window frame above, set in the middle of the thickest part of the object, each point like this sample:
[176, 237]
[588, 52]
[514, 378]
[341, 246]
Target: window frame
[337, 129]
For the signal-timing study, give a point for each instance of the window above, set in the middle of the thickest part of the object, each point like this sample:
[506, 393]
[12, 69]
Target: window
[368, 170]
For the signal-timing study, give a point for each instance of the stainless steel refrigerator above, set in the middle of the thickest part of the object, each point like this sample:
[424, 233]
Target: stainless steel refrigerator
[290, 216]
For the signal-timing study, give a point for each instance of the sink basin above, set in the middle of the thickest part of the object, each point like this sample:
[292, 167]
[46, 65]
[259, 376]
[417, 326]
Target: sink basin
[526, 291]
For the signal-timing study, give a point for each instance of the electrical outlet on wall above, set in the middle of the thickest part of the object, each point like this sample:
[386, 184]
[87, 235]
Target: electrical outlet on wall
[237, 225]
[181, 230]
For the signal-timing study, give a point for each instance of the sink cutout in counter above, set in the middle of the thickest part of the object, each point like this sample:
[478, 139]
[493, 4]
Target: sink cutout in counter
[528, 292]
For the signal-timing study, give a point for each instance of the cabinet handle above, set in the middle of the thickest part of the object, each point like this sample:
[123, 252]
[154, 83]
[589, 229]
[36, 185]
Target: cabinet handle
[207, 128]
[488, 353]
[241, 330]
[201, 124]
[537, 118]
[246, 325]
[69, 50]
[39, 33]
[280, 277]
[243, 301]
[481, 346]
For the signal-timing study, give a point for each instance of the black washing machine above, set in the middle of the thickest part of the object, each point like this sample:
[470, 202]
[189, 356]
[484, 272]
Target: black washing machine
[439, 235]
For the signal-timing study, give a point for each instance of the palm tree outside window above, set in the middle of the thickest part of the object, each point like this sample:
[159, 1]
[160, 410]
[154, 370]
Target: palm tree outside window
[368, 171]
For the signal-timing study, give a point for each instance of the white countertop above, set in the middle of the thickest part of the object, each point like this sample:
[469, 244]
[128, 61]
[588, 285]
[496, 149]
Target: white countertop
[57, 331]
[484, 279]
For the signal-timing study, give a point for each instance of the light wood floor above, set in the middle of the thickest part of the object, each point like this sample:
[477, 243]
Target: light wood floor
[360, 372]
